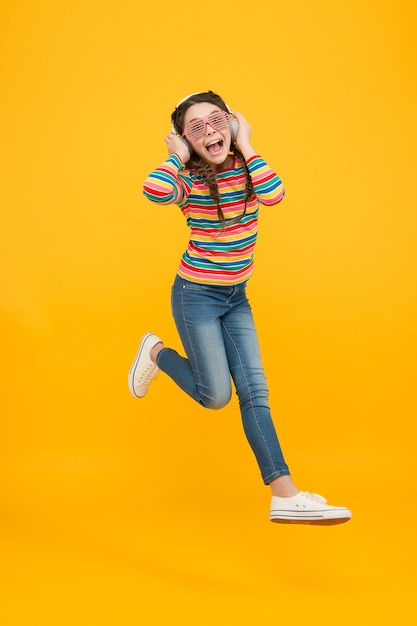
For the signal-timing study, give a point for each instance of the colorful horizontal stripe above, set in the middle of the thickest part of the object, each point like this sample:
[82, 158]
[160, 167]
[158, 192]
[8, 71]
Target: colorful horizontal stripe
[215, 255]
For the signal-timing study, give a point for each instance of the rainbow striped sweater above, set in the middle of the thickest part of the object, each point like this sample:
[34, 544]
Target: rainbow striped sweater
[216, 255]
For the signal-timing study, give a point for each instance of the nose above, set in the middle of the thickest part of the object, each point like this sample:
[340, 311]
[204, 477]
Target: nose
[209, 129]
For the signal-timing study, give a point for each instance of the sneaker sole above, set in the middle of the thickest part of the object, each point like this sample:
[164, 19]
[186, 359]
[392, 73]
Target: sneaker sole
[313, 522]
[134, 365]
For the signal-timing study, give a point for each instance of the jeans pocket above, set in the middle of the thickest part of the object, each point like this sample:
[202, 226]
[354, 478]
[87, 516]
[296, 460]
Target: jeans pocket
[189, 286]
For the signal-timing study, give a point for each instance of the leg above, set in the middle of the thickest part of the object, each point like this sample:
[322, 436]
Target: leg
[204, 374]
[245, 364]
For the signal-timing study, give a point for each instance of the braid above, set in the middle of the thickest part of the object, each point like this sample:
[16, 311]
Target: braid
[249, 192]
[204, 170]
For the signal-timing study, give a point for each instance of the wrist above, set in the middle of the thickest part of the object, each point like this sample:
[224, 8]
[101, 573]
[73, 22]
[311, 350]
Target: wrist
[247, 150]
[177, 158]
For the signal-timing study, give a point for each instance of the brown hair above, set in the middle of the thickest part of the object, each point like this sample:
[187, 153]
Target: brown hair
[201, 167]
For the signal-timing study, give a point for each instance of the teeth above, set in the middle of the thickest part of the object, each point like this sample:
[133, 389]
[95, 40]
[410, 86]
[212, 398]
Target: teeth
[213, 142]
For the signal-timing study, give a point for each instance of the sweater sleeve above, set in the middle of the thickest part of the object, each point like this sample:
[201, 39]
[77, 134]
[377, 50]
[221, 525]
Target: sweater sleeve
[168, 184]
[267, 185]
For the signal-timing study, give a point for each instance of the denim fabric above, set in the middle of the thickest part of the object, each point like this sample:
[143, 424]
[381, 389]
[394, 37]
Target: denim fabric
[217, 331]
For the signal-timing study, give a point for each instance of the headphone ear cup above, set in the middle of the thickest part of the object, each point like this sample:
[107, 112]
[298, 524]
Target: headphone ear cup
[188, 145]
[234, 129]
[182, 139]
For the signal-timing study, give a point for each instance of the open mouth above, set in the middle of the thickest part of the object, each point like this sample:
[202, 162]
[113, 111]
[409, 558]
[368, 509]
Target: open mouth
[215, 147]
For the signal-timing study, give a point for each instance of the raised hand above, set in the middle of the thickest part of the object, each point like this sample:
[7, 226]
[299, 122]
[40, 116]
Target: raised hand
[243, 136]
[177, 145]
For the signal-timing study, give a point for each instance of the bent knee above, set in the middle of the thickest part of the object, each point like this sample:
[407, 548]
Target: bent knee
[216, 402]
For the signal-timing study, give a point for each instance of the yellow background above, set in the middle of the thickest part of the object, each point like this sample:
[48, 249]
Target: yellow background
[120, 511]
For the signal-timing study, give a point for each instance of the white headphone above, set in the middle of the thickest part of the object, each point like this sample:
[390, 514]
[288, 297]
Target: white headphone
[234, 124]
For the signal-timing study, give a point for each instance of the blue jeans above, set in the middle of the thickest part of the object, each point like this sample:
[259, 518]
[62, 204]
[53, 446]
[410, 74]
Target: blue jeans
[217, 331]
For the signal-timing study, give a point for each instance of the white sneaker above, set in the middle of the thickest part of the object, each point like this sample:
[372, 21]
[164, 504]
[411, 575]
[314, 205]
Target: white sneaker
[306, 508]
[143, 370]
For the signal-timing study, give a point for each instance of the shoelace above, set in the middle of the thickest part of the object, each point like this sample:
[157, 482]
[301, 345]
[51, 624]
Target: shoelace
[149, 374]
[315, 497]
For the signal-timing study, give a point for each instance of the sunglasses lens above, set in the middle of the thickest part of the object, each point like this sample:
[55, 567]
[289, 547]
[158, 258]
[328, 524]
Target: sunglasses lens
[218, 120]
[194, 130]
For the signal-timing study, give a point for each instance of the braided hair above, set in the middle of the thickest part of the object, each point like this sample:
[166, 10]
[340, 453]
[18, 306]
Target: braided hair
[199, 165]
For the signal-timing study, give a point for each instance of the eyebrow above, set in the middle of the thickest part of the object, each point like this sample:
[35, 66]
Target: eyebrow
[199, 118]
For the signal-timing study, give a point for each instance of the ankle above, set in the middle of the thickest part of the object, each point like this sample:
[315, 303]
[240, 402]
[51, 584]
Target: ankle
[156, 350]
[283, 487]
